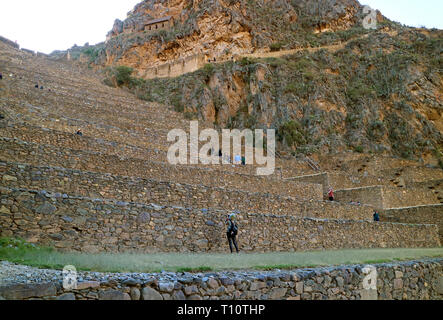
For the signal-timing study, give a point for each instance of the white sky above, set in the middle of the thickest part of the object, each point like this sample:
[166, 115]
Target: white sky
[415, 13]
[47, 25]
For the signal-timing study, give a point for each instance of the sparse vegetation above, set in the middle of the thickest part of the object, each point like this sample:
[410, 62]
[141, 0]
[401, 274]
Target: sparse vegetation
[292, 133]
[371, 71]
[19, 251]
[120, 76]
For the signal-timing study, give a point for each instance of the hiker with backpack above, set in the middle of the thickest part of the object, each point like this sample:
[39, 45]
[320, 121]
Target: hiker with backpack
[232, 232]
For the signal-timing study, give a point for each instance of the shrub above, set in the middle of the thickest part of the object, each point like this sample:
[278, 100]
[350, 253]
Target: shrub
[358, 91]
[276, 46]
[92, 53]
[293, 133]
[119, 76]
[376, 130]
[123, 75]
[358, 149]
[208, 68]
[176, 101]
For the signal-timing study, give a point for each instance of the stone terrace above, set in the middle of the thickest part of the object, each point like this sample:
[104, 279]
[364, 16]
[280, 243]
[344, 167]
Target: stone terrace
[112, 190]
[93, 225]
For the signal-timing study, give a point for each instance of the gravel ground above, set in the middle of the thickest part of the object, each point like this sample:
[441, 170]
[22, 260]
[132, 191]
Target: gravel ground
[11, 273]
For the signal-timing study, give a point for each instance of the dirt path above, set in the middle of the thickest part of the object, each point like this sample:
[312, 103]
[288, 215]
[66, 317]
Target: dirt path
[334, 47]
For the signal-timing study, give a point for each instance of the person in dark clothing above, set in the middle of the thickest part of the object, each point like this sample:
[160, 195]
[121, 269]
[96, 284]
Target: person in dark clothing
[376, 216]
[220, 154]
[79, 132]
[41, 88]
[1, 76]
[243, 161]
[232, 232]
[36, 86]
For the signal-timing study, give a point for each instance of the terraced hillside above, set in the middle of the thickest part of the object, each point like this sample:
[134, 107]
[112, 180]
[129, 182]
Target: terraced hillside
[355, 110]
[308, 69]
[112, 189]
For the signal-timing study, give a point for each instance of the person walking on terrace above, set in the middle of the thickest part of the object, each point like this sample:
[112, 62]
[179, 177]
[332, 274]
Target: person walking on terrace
[232, 232]
[376, 216]
[331, 194]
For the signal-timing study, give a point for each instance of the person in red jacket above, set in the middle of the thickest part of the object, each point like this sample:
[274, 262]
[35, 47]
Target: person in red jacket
[331, 194]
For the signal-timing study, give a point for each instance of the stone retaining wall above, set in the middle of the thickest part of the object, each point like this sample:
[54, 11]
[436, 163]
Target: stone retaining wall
[43, 136]
[411, 280]
[373, 165]
[64, 139]
[413, 174]
[432, 214]
[320, 178]
[339, 180]
[372, 195]
[430, 184]
[9, 42]
[97, 185]
[16, 150]
[408, 197]
[175, 68]
[82, 224]
[384, 197]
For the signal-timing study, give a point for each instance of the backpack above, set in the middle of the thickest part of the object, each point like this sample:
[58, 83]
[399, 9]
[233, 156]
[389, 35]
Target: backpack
[234, 228]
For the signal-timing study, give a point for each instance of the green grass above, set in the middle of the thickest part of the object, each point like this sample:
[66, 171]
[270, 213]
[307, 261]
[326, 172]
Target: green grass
[18, 251]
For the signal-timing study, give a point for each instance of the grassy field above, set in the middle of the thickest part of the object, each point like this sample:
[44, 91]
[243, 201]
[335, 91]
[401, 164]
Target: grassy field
[23, 253]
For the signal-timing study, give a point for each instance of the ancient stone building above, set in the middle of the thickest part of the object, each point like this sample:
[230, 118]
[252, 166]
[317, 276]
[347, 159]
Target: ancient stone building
[159, 24]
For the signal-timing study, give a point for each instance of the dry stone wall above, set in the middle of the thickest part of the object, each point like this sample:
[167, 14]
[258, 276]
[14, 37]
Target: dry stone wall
[97, 185]
[62, 139]
[411, 175]
[412, 280]
[9, 42]
[372, 195]
[383, 197]
[94, 225]
[432, 214]
[408, 197]
[175, 68]
[339, 180]
[66, 141]
[320, 178]
[16, 150]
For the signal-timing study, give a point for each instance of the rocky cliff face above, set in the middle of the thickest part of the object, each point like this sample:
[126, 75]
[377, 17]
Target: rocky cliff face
[220, 29]
[304, 67]
[379, 93]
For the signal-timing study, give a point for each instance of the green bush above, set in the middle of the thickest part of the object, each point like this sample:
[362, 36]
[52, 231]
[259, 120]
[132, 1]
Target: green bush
[92, 53]
[208, 69]
[292, 133]
[376, 130]
[176, 101]
[276, 46]
[358, 91]
[358, 149]
[123, 75]
[119, 76]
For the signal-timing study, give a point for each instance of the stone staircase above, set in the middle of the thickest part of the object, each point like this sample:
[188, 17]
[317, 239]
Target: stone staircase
[113, 190]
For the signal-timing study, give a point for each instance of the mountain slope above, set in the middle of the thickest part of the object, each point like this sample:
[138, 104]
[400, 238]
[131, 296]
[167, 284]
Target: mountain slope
[306, 68]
